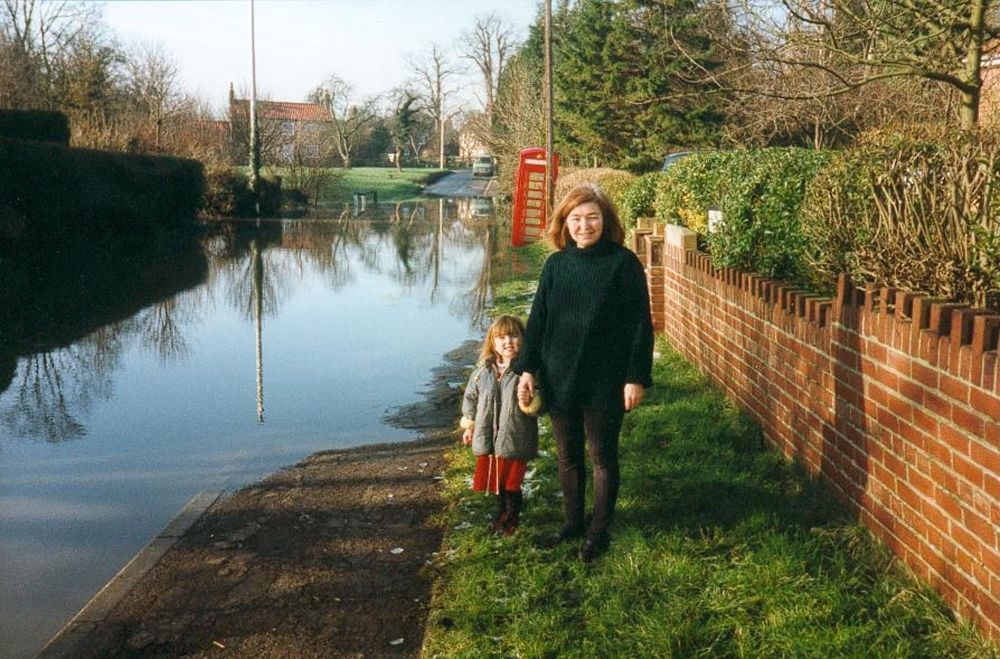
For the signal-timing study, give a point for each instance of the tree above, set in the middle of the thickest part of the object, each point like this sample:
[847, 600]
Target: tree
[489, 44]
[404, 122]
[624, 92]
[350, 118]
[432, 71]
[518, 121]
[153, 90]
[849, 44]
[44, 36]
[18, 77]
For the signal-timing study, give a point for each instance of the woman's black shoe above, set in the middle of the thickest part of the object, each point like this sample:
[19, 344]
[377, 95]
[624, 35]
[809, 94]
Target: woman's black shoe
[568, 532]
[592, 548]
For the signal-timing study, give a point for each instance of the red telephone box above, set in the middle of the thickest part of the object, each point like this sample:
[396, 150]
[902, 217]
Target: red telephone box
[529, 196]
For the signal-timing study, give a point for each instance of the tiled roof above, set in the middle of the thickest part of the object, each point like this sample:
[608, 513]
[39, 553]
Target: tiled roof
[286, 111]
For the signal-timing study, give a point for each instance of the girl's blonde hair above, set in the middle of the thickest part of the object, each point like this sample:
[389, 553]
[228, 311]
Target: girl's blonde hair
[582, 194]
[502, 326]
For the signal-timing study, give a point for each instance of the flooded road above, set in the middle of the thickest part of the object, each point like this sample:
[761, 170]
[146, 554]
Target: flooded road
[259, 347]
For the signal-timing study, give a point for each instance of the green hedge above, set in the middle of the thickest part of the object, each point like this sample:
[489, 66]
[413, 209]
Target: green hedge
[35, 125]
[51, 193]
[759, 193]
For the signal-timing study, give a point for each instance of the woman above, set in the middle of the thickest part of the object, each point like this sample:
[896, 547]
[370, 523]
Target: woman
[589, 340]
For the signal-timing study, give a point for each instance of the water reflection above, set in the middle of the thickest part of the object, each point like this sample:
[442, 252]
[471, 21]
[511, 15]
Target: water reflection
[61, 353]
[66, 324]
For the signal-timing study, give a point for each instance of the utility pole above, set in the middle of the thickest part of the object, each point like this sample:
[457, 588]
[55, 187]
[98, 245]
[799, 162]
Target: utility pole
[254, 134]
[441, 160]
[549, 181]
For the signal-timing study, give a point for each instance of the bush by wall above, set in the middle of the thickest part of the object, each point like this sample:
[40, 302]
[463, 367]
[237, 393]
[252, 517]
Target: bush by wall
[917, 212]
[759, 193]
[35, 125]
[51, 194]
[638, 198]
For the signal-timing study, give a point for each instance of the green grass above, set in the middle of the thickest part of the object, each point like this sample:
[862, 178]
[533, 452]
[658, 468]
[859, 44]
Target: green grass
[720, 548]
[390, 184]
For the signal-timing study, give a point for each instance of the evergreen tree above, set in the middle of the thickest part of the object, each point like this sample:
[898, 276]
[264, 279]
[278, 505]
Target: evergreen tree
[623, 72]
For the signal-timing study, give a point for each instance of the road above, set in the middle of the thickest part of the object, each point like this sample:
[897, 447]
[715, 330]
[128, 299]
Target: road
[463, 184]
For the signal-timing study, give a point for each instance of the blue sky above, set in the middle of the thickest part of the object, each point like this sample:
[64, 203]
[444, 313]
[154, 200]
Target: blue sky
[300, 43]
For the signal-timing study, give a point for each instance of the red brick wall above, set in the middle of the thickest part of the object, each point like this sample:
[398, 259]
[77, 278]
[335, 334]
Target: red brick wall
[891, 398]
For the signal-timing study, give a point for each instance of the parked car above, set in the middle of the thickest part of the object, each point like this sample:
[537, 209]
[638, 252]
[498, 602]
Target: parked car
[483, 166]
[673, 158]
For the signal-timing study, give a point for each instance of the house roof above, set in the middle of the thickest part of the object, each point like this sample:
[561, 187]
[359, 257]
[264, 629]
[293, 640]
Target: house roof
[287, 111]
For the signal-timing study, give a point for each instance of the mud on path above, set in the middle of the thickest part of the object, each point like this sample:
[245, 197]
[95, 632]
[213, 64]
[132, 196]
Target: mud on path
[329, 558]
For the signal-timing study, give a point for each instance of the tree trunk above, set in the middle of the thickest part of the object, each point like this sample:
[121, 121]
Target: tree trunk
[973, 65]
[441, 162]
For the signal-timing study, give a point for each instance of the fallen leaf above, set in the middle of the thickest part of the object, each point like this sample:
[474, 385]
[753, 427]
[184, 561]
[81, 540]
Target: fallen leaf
[397, 641]
[397, 550]
[219, 645]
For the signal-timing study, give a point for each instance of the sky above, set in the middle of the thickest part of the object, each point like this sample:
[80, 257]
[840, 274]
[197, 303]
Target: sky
[300, 43]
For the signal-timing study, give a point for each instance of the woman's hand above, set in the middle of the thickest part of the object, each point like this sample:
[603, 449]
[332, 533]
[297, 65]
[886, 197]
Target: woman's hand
[633, 395]
[467, 437]
[526, 388]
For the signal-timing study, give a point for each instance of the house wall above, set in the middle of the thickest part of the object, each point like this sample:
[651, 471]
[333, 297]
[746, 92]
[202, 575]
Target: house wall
[891, 398]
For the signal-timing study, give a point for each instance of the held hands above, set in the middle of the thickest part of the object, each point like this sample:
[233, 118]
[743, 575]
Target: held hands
[633, 396]
[526, 388]
[467, 437]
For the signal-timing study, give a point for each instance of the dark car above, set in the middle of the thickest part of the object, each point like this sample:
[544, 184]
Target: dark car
[673, 158]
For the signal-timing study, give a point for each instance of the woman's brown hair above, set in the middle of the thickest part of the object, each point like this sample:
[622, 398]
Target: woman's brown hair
[502, 326]
[583, 194]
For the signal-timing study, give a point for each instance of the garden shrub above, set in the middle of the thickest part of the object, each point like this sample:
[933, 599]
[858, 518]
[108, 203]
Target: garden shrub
[35, 125]
[227, 194]
[759, 192]
[917, 211]
[637, 199]
[54, 194]
[613, 182]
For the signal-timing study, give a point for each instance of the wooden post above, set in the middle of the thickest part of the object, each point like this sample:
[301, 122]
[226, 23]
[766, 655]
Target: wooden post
[549, 181]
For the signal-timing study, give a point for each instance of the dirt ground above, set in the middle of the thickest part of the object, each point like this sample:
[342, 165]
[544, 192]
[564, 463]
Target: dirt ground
[330, 558]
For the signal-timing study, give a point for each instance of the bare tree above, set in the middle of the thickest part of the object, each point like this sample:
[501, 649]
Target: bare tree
[45, 33]
[350, 118]
[153, 89]
[518, 118]
[489, 44]
[432, 72]
[849, 44]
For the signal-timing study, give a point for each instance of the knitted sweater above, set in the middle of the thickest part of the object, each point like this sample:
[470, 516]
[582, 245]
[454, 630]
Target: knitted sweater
[590, 329]
[501, 428]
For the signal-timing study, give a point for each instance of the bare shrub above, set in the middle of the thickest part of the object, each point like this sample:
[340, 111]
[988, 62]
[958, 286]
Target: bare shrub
[917, 212]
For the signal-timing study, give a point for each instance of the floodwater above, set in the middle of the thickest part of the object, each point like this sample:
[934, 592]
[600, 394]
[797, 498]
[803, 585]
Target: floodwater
[124, 394]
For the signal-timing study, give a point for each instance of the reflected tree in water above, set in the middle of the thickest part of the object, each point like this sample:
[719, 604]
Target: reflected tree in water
[53, 390]
[161, 329]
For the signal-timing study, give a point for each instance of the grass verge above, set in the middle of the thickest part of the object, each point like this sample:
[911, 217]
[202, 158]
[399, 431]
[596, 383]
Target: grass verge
[391, 186]
[720, 548]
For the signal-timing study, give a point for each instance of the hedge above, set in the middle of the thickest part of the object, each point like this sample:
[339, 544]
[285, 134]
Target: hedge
[759, 193]
[35, 125]
[51, 193]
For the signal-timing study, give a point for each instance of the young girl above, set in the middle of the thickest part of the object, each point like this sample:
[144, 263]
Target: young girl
[502, 435]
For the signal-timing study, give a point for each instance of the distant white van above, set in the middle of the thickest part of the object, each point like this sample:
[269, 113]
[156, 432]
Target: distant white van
[483, 166]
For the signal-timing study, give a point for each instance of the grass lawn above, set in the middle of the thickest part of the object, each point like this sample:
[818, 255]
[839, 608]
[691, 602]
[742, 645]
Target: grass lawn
[390, 184]
[720, 548]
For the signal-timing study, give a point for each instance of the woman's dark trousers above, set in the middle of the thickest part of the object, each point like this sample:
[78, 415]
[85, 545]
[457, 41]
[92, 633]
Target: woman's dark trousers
[596, 426]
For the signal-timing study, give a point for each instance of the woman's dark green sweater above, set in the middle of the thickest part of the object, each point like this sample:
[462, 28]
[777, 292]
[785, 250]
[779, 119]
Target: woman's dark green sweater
[590, 329]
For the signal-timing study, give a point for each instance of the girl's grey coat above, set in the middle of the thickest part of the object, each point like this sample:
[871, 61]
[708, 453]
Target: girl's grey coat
[501, 429]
